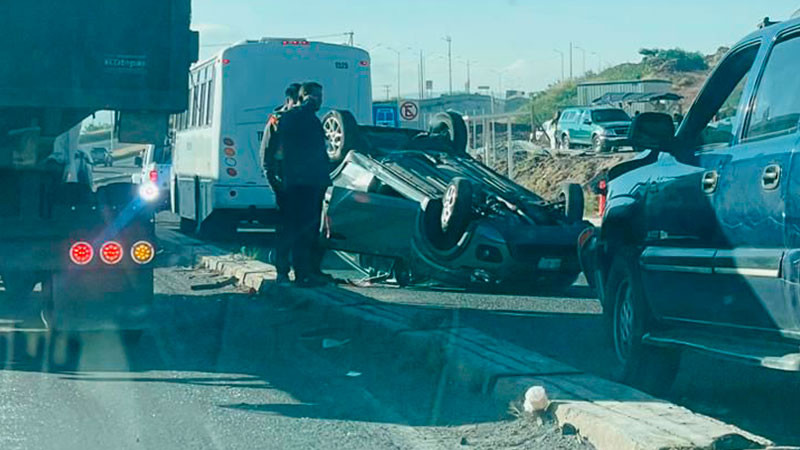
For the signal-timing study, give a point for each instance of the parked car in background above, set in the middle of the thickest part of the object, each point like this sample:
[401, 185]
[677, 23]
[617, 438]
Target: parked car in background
[415, 201]
[101, 155]
[601, 128]
[156, 173]
[700, 243]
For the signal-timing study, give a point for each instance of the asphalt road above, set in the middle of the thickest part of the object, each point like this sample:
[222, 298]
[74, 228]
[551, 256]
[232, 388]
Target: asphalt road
[570, 328]
[220, 369]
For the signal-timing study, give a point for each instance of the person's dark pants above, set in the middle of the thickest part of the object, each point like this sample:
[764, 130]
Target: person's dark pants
[304, 210]
[283, 244]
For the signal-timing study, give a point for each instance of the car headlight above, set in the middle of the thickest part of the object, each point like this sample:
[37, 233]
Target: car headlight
[148, 192]
[609, 132]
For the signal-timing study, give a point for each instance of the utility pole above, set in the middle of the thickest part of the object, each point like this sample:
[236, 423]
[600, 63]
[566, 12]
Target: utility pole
[598, 61]
[562, 63]
[350, 41]
[468, 77]
[387, 88]
[421, 77]
[449, 41]
[570, 60]
[583, 52]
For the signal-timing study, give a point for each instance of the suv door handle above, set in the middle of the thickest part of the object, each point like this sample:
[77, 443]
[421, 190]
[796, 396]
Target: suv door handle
[710, 179]
[771, 177]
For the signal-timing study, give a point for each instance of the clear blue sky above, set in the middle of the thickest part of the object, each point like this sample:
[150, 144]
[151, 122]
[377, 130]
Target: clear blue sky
[514, 36]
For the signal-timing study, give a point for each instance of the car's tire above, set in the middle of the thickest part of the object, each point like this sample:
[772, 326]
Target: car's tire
[401, 273]
[451, 125]
[456, 208]
[572, 196]
[597, 144]
[565, 143]
[341, 131]
[628, 319]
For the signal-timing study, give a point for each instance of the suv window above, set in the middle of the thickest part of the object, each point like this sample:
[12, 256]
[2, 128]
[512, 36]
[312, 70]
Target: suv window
[712, 119]
[568, 116]
[610, 115]
[776, 110]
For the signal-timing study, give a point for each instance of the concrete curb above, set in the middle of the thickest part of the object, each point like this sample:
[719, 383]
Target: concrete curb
[609, 415]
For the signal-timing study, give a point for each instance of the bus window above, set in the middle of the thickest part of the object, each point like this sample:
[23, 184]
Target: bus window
[210, 105]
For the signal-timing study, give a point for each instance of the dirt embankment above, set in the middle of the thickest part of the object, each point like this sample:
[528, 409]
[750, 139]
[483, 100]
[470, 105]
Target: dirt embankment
[544, 174]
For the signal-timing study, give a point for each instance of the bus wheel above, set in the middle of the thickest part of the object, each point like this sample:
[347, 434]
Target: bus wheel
[341, 129]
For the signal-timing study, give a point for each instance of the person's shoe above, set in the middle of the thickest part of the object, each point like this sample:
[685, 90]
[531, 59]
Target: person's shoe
[283, 280]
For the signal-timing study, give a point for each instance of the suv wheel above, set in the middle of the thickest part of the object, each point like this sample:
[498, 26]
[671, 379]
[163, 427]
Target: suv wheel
[597, 144]
[565, 144]
[651, 369]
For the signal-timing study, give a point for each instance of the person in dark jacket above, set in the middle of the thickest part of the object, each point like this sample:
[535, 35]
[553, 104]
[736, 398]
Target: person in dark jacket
[272, 158]
[305, 177]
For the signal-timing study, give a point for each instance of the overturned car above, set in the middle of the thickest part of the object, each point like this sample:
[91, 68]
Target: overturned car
[414, 204]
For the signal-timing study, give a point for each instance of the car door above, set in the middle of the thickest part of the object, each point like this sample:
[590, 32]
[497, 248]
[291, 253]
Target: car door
[681, 223]
[583, 130]
[751, 202]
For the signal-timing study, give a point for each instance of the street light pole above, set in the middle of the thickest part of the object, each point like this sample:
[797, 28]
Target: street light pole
[583, 52]
[468, 86]
[570, 60]
[449, 41]
[598, 61]
[562, 63]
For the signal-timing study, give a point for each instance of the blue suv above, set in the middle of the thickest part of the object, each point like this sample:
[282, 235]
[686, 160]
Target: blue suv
[601, 128]
[700, 243]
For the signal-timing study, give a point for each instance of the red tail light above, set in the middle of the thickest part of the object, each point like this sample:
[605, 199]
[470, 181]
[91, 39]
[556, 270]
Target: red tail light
[153, 176]
[111, 252]
[232, 172]
[81, 253]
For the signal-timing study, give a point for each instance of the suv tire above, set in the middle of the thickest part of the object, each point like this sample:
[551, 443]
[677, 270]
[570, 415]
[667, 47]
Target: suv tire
[597, 144]
[565, 144]
[628, 319]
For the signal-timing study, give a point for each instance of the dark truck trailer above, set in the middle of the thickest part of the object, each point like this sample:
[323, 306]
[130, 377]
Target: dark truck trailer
[83, 252]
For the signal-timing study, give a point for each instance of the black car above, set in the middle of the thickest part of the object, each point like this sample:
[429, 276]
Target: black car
[417, 199]
[700, 243]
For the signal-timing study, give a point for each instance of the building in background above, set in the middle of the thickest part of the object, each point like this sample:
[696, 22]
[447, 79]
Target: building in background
[463, 103]
[591, 91]
[516, 100]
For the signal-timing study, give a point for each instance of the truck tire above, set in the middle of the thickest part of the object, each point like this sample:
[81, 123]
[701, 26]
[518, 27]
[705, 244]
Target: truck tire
[571, 194]
[451, 125]
[628, 319]
[341, 130]
[456, 209]
[597, 145]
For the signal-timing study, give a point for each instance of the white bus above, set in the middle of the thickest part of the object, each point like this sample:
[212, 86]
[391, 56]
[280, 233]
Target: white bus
[217, 176]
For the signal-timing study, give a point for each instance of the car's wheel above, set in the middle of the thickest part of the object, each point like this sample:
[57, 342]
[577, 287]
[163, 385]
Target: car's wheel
[456, 208]
[597, 144]
[452, 126]
[565, 144]
[628, 317]
[341, 130]
[571, 194]
[401, 273]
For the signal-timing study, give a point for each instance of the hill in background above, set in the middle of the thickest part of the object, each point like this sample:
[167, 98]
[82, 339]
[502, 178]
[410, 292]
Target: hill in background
[687, 71]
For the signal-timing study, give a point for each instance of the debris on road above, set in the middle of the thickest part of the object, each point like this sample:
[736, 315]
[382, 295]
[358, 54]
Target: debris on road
[536, 400]
[333, 343]
[218, 285]
[353, 374]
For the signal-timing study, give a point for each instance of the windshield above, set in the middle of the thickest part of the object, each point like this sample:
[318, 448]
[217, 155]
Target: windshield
[404, 224]
[610, 115]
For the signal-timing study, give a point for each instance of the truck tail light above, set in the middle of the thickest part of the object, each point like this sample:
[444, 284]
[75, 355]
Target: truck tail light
[153, 176]
[111, 252]
[142, 252]
[81, 253]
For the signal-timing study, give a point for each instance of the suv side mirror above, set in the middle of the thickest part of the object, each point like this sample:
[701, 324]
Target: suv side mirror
[652, 131]
[137, 161]
[587, 121]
